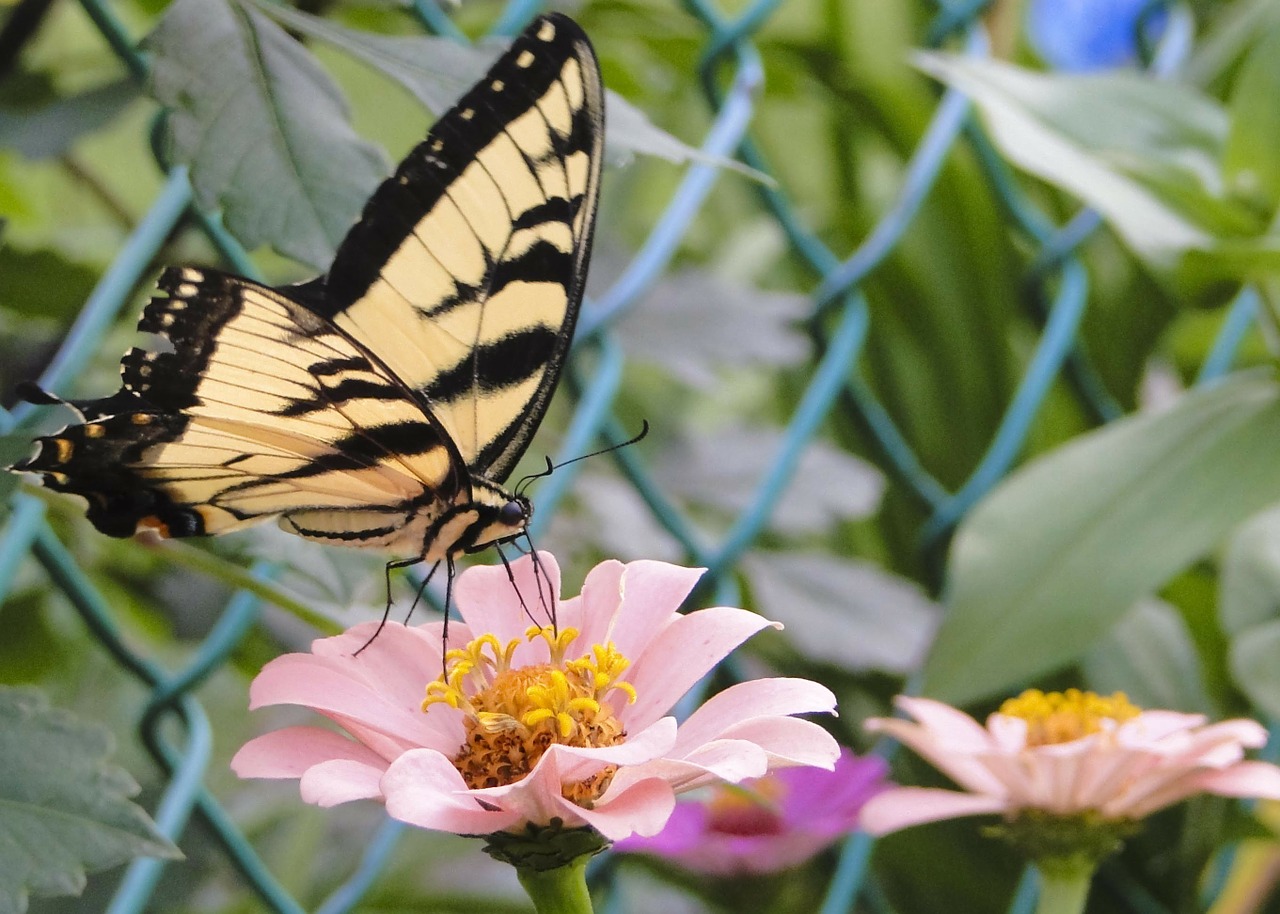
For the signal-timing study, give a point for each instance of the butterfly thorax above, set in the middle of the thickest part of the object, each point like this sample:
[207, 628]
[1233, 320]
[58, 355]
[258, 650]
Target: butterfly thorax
[426, 528]
[493, 515]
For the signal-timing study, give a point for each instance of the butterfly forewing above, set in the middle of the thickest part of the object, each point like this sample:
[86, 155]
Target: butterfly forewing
[481, 240]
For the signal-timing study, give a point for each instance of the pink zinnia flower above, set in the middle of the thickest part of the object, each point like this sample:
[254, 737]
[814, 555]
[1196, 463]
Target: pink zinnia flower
[1068, 754]
[768, 824]
[533, 723]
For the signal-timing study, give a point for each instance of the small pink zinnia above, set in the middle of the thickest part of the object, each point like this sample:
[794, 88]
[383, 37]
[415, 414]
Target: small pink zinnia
[768, 824]
[1072, 754]
[533, 723]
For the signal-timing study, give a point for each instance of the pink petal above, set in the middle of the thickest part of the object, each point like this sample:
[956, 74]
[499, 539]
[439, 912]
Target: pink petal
[681, 654]
[640, 806]
[1245, 779]
[960, 731]
[592, 613]
[729, 761]
[1259, 780]
[651, 594]
[325, 684]
[788, 741]
[756, 698]
[1107, 775]
[1014, 776]
[398, 663]
[1224, 742]
[686, 829]
[537, 798]
[1006, 733]
[423, 788]
[577, 763]
[490, 604]
[902, 807]
[641, 809]
[288, 753]
[1152, 726]
[976, 774]
[341, 781]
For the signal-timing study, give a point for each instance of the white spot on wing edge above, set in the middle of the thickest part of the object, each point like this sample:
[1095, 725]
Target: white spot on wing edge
[547, 32]
[525, 59]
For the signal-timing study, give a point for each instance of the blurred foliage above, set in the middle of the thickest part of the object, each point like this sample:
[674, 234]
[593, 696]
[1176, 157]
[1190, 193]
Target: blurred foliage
[718, 358]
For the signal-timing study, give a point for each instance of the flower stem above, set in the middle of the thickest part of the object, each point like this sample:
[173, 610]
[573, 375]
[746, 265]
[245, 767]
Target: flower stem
[1064, 885]
[562, 890]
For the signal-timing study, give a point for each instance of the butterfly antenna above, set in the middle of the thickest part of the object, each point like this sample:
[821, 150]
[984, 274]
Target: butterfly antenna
[526, 480]
[552, 467]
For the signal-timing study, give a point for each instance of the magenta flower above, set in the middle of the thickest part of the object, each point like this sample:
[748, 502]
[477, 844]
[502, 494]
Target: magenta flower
[533, 724]
[769, 824]
[1068, 754]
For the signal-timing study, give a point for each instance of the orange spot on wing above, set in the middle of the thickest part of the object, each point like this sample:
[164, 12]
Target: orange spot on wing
[153, 525]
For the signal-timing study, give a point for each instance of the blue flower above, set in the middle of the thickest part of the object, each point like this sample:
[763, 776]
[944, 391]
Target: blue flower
[1078, 35]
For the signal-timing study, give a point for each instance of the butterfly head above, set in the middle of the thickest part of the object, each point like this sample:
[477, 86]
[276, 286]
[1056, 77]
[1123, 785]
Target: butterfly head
[495, 515]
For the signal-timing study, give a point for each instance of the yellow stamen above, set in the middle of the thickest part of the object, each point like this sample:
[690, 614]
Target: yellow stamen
[513, 714]
[1060, 717]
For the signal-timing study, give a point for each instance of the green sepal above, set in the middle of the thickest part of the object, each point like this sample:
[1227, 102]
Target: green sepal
[1055, 841]
[545, 847]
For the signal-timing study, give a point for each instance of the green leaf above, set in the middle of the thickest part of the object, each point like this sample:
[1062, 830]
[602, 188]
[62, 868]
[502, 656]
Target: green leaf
[1249, 609]
[1249, 162]
[1149, 656]
[1050, 560]
[264, 129]
[721, 467]
[853, 615]
[1231, 261]
[63, 808]
[437, 71]
[1118, 141]
[51, 130]
[43, 283]
[697, 324]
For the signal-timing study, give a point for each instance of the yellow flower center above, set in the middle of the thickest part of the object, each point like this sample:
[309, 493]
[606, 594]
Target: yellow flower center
[514, 713]
[1060, 717]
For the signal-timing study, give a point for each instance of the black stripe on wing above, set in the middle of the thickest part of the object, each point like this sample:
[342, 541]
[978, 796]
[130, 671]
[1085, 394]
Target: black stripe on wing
[143, 457]
[424, 176]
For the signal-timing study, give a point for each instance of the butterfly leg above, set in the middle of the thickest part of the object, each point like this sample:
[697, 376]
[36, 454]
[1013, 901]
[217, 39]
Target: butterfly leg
[545, 595]
[448, 601]
[514, 586]
[386, 613]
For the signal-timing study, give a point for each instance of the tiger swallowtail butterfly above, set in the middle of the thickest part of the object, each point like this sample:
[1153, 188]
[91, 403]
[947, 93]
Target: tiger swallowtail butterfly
[384, 403]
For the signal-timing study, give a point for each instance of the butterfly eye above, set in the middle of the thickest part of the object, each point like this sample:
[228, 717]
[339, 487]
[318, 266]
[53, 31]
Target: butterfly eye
[513, 513]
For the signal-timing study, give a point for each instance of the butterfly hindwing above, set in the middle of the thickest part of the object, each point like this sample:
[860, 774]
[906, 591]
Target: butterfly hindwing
[261, 409]
[383, 403]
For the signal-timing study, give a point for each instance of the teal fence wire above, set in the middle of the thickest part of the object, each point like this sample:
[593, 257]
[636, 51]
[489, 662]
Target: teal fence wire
[731, 71]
